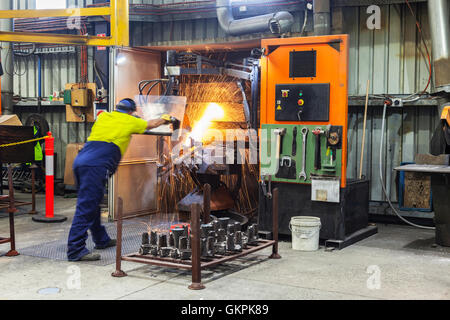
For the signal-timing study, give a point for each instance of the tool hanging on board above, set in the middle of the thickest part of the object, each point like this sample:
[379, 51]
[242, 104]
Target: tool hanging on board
[317, 156]
[288, 167]
[302, 174]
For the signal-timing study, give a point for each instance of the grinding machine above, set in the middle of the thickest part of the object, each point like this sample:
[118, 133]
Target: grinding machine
[297, 89]
[207, 166]
[303, 139]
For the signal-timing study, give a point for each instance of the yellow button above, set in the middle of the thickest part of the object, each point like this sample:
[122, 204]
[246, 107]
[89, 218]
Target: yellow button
[301, 102]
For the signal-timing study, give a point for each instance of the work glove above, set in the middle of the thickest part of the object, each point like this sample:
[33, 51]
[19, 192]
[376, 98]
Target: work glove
[169, 118]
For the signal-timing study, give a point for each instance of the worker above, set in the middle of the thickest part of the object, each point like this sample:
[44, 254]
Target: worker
[99, 159]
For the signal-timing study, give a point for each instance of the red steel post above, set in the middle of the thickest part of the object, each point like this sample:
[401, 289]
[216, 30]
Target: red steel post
[195, 245]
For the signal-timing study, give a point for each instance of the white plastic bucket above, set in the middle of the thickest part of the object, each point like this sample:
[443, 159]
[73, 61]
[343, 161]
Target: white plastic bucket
[305, 233]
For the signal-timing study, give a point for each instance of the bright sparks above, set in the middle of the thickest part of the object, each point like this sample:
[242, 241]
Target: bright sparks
[212, 112]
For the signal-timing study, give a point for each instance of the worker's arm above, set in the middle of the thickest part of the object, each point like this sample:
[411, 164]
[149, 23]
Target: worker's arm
[154, 123]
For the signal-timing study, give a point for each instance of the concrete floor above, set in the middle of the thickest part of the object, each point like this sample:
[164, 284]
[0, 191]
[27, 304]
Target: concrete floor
[397, 263]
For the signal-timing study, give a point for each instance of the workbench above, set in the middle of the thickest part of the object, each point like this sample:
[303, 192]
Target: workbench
[440, 187]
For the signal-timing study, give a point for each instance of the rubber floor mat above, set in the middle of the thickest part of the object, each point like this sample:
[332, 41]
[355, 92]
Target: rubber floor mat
[57, 250]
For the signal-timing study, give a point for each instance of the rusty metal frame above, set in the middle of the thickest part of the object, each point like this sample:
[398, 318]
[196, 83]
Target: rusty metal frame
[197, 263]
[8, 202]
[118, 11]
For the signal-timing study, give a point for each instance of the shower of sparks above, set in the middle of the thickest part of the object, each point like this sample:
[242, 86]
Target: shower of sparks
[175, 181]
[212, 112]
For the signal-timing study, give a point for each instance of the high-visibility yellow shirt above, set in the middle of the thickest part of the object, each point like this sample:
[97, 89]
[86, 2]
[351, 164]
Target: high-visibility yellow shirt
[117, 127]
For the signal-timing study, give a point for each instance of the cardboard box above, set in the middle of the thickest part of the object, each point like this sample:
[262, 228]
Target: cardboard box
[10, 120]
[72, 151]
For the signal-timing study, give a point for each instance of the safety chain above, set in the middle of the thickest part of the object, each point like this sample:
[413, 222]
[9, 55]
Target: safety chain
[22, 142]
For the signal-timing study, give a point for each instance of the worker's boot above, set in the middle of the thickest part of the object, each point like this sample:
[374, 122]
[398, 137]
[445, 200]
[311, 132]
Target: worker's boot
[90, 257]
[111, 243]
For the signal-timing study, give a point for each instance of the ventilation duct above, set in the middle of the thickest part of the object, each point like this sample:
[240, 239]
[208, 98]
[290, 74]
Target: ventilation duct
[438, 12]
[322, 17]
[276, 23]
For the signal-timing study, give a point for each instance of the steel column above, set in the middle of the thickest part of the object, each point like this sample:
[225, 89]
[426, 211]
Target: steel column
[33, 189]
[275, 254]
[119, 273]
[11, 211]
[195, 245]
[206, 203]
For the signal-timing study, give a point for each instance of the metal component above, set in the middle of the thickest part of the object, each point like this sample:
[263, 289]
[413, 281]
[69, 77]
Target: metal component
[294, 141]
[153, 238]
[204, 247]
[171, 240]
[245, 104]
[205, 229]
[186, 230]
[33, 168]
[244, 240]
[267, 189]
[440, 34]
[237, 226]
[238, 241]
[302, 174]
[230, 242]
[275, 254]
[277, 23]
[162, 241]
[278, 133]
[230, 229]
[216, 225]
[183, 243]
[224, 222]
[185, 254]
[154, 251]
[288, 160]
[177, 233]
[145, 249]
[145, 239]
[255, 226]
[174, 254]
[210, 246]
[221, 235]
[220, 248]
[165, 251]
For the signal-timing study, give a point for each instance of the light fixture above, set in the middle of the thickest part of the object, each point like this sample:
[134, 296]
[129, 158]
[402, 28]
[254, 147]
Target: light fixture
[50, 4]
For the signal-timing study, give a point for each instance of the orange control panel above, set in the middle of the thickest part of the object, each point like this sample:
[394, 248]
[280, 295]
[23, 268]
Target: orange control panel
[304, 81]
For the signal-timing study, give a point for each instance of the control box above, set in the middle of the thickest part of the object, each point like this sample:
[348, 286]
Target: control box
[302, 102]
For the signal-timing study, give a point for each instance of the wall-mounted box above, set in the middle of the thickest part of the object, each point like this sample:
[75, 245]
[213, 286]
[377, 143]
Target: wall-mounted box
[80, 97]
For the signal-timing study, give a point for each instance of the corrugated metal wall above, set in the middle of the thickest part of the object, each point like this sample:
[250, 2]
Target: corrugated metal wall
[392, 58]
[407, 132]
[57, 70]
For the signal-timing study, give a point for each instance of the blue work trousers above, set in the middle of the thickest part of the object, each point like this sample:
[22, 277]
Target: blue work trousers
[91, 189]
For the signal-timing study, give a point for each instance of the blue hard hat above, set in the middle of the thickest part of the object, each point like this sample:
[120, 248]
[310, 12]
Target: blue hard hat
[126, 105]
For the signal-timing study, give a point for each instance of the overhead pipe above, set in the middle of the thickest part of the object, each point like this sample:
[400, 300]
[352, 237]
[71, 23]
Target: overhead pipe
[438, 13]
[322, 17]
[276, 23]
[7, 62]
